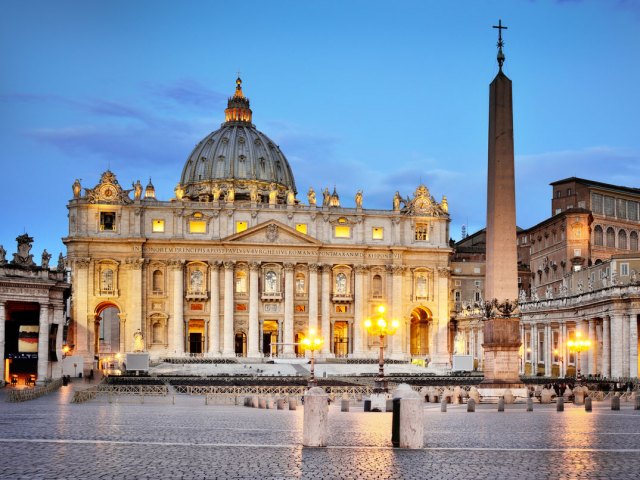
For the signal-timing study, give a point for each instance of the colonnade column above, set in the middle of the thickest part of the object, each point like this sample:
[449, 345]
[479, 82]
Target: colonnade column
[534, 349]
[616, 339]
[288, 310]
[214, 315]
[594, 345]
[480, 349]
[523, 360]
[547, 350]
[81, 315]
[326, 310]
[43, 343]
[396, 309]
[358, 350]
[313, 299]
[633, 346]
[625, 345]
[562, 348]
[2, 320]
[228, 348]
[58, 319]
[606, 347]
[584, 359]
[253, 336]
[442, 296]
[177, 337]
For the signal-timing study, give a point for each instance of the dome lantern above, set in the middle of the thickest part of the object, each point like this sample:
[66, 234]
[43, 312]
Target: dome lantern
[238, 106]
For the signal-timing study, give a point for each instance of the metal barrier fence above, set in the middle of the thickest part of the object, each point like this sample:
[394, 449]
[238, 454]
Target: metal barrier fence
[106, 389]
[32, 393]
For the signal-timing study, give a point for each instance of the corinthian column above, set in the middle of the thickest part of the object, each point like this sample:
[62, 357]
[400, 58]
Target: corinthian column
[253, 338]
[606, 347]
[2, 320]
[358, 304]
[135, 297]
[43, 343]
[594, 346]
[313, 298]
[633, 346]
[176, 342]
[326, 310]
[616, 339]
[228, 345]
[442, 290]
[288, 309]
[214, 317]
[82, 317]
[625, 345]
[397, 342]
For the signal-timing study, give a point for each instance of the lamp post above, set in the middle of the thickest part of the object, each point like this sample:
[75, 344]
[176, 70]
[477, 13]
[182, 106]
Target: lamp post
[312, 342]
[381, 328]
[578, 345]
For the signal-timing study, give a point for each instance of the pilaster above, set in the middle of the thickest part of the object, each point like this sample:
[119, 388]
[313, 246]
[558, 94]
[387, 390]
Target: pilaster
[214, 310]
[228, 328]
[253, 337]
[288, 350]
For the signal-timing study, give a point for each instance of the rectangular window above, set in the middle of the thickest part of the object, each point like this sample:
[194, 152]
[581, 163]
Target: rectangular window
[577, 252]
[632, 210]
[457, 295]
[341, 309]
[540, 352]
[157, 226]
[527, 341]
[609, 206]
[556, 343]
[377, 233]
[624, 269]
[241, 226]
[197, 226]
[422, 231]
[568, 192]
[477, 283]
[342, 231]
[621, 208]
[476, 297]
[596, 203]
[108, 221]
[458, 283]
[301, 227]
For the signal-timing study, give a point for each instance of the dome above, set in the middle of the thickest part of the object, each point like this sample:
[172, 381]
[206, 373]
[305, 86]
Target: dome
[236, 162]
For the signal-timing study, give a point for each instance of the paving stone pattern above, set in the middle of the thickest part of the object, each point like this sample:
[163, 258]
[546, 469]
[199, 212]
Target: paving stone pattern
[50, 438]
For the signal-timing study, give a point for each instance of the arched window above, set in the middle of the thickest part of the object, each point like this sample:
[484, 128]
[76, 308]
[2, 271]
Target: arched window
[341, 283]
[158, 281]
[270, 282]
[598, 236]
[633, 241]
[377, 286]
[107, 280]
[300, 283]
[622, 240]
[241, 282]
[611, 237]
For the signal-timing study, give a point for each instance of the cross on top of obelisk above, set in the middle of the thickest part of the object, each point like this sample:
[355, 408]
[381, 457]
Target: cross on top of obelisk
[500, 43]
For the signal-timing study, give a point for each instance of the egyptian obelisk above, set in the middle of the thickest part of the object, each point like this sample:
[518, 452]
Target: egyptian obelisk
[501, 325]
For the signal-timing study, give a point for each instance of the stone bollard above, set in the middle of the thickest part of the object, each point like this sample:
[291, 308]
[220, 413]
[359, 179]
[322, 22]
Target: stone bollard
[473, 393]
[397, 394]
[560, 404]
[262, 402]
[424, 392]
[545, 395]
[411, 421]
[280, 404]
[508, 397]
[293, 403]
[270, 403]
[457, 394]
[389, 405]
[587, 404]
[529, 404]
[471, 405]
[344, 405]
[316, 414]
[615, 402]
[578, 396]
[254, 401]
[501, 404]
[367, 405]
[443, 405]
[636, 406]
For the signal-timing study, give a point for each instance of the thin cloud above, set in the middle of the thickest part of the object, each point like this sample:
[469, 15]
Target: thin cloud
[188, 92]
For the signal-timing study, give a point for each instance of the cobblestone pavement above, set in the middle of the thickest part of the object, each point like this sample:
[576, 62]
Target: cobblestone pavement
[49, 438]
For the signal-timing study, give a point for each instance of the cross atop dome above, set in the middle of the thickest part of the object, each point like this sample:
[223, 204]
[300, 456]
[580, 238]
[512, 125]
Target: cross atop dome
[501, 56]
[238, 106]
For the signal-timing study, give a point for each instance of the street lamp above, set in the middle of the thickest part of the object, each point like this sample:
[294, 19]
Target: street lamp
[312, 342]
[578, 346]
[381, 328]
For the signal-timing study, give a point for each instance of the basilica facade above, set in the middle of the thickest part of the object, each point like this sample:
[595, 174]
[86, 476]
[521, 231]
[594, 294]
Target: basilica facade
[238, 264]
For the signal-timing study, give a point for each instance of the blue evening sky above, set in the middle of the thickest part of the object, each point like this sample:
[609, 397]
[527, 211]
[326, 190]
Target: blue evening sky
[371, 95]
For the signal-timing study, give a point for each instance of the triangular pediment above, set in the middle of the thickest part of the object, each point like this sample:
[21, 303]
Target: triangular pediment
[272, 232]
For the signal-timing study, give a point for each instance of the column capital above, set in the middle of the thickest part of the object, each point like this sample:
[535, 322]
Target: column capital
[444, 272]
[326, 268]
[135, 263]
[254, 266]
[313, 267]
[214, 264]
[396, 269]
[288, 266]
[175, 264]
[360, 269]
[80, 262]
[229, 264]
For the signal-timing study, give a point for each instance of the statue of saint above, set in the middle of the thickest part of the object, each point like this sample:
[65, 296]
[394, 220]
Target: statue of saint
[46, 256]
[445, 204]
[396, 202]
[311, 196]
[359, 199]
[137, 190]
[3, 255]
[231, 194]
[77, 188]
[273, 194]
[326, 197]
[253, 193]
[61, 264]
[138, 341]
[291, 197]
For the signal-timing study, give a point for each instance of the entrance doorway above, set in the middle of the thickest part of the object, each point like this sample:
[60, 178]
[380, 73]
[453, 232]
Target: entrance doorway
[270, 338]
[241, 344]
[341, 339]
[21, 342]
[419, 331]
[196, 336]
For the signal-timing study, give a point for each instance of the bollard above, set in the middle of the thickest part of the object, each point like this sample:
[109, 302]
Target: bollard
[545, 395]
[443, 405]
[206, 399]
[637, 404]
[615, 402]
[501, 404]
[173, 401]
[529, 404]
[471, 405]
[141, 398]
[508, 397]
[578, 396]
[293, 404]
[389, 405]
[367, 405]
[398, 393]
[316, 413]
[560, 404]
[411, 420]
[254, 401]
[270, 403]
[110, 398]
[262, 402]
[344, 405]
[587, 404]
[280, 404]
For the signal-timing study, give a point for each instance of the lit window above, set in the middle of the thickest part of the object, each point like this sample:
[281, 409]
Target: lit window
[342, 231]
[377, 286]
[107, 280]
[301, 227]
[300, 283]
[270, 282]
[422, 231]
[107, 221]
[241, 226]
[341, 283]
[241, 282]
[157, 226]
[197, 226]
[378, 233]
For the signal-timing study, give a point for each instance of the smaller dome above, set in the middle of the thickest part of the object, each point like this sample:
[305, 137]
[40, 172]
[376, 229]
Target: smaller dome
[150, 191]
